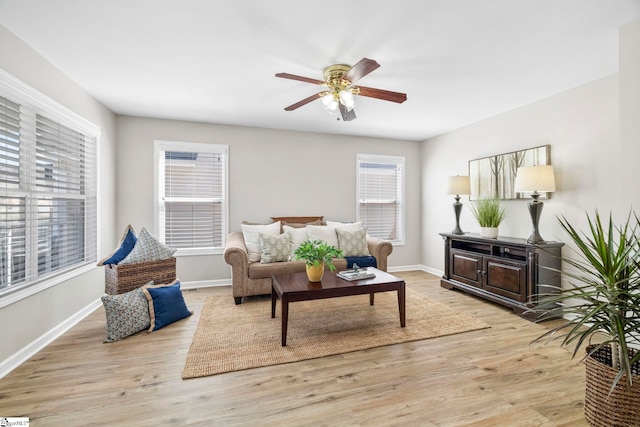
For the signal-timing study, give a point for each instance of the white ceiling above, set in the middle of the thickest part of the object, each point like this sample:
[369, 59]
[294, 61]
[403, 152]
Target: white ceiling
[459, 61]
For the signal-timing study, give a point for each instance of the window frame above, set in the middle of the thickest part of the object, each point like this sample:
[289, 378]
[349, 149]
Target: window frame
[160, 146]
[36, 103]
[399, 161]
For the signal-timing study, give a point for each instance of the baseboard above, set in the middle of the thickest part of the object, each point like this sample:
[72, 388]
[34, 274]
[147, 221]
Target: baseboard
[205, 283]
[31, 349]
[418, 267]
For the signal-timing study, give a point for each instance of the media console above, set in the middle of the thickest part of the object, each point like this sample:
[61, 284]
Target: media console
[506, 270]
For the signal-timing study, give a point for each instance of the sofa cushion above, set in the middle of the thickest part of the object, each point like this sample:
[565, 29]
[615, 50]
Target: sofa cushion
[322, 232]
[251, 234]
[275, 248]
[349, 226]
[259, 270]
[263, 271]
[353, 243]
[296, 236]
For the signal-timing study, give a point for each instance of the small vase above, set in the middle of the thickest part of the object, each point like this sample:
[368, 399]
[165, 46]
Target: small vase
[315, 272]
[489, 232]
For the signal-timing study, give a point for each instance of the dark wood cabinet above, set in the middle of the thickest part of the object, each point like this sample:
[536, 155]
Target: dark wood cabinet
[508, 271]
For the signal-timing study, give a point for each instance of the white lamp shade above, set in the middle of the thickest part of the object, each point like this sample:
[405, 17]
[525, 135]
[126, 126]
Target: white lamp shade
[535, 178]
[458, 185]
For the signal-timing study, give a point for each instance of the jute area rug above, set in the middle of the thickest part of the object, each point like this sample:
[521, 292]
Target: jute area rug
[233, 337]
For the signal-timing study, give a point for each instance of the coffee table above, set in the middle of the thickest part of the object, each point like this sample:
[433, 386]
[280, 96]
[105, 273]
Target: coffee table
[296, 287]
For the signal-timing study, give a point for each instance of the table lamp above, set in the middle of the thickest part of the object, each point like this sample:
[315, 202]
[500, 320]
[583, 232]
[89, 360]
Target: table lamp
[458, 185]
[535, 179]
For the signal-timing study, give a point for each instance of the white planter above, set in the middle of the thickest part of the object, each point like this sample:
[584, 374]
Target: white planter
[489, 232]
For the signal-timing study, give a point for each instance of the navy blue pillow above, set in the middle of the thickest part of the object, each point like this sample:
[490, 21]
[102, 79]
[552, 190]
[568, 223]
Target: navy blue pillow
[166, 305]
[362, 261]
[127, 243]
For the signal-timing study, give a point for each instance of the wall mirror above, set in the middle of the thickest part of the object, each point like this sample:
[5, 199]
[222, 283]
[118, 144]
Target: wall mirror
[494, 176]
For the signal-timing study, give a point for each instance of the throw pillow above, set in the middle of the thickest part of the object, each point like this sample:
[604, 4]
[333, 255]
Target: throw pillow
[126, 314]
[166, 305]
[353, 243]
[324, 233]
[148, 248]
[275, 248]
[251, 234]
[296, 236]
[127, 242]
[350, 226]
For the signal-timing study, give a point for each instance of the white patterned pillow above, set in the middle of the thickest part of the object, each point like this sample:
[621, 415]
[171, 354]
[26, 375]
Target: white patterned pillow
[148, 248]
[251, 234]
[353, 243]
[126, 314]
[275, 248]
[324, 233]
[296, 236]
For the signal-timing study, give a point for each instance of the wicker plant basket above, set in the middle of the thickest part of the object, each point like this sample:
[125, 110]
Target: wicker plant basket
[622, 406]
[127, 277]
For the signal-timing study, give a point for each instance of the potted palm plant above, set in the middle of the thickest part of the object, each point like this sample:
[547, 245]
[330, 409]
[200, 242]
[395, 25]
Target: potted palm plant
[600, 303]
[317, 255]
[489, 213]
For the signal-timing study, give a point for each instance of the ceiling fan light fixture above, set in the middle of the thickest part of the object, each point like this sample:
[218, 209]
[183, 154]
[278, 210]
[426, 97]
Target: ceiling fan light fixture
[346, 99]
[329, 103]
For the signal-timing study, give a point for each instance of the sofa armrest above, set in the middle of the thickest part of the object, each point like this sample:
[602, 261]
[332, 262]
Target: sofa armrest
[380, 249]
[235, 254]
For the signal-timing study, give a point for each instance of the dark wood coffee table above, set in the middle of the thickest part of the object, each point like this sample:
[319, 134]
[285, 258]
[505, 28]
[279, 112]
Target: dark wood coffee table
[296, 287]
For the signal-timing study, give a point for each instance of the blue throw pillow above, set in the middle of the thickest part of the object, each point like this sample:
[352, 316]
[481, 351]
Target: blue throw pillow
[166, 305]
[362, 261]
[127, 243]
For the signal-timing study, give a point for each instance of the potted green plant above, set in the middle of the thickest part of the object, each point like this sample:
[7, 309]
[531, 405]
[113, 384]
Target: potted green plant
[317, 255]
[600, 303]
[489, 213]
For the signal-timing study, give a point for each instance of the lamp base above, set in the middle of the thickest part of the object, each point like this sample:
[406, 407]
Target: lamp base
[457, 207]
[457, 230]
[535, 210]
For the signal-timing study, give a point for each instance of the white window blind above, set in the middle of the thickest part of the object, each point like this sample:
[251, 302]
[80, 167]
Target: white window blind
[380, 183]
[192, 196]
[48, 194]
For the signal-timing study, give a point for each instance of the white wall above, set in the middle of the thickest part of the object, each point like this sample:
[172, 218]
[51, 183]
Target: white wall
[630, 111]
[28, 320]
[594, 134]
[272, 173]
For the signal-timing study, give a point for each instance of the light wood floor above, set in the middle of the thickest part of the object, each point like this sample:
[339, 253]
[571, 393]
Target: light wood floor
[491, 377]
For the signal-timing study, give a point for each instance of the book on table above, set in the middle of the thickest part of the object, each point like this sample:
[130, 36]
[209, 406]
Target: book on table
[358, 274]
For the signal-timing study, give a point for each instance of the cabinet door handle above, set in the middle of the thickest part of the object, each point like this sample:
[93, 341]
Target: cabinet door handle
[479, 271]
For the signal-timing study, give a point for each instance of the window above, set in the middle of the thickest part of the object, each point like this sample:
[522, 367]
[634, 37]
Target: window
[191, 195]
[48, 196]
[380, 184]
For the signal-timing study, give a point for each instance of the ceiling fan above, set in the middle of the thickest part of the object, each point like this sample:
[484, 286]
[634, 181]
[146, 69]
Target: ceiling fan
[339, 80]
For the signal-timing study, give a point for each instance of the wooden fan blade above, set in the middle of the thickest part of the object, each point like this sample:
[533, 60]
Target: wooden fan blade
[361, 69]
[385, 95]
[300, 78]
[347, 115]
[304, 101]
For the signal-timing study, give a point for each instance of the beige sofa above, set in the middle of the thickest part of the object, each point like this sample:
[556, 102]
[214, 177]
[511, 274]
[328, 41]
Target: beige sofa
[255, 278]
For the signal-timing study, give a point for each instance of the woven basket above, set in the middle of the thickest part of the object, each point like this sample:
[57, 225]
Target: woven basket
[622, 406]
[127, 277]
